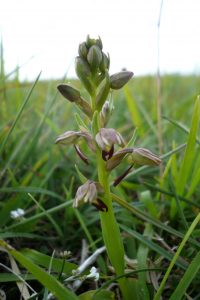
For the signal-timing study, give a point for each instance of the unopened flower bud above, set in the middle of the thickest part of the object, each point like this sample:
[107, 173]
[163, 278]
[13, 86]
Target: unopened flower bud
[105, 63]
[142, 156]
[90, 42]
[94, 57]
[107, 137]
[118, 80]
[82, 67]
[69, 92]
[84, 74]
[73, 95]
[83, 50]
[105, 113]
[99, 43]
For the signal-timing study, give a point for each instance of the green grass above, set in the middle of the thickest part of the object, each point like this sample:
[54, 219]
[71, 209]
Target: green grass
[154, 211]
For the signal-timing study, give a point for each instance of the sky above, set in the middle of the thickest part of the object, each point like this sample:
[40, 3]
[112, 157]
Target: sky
[44, 35]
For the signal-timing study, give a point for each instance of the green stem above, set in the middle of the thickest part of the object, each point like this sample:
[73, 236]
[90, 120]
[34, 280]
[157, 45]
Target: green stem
[110, 229]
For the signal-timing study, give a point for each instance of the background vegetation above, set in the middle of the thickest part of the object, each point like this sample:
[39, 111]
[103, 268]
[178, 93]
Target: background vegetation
[158, 206]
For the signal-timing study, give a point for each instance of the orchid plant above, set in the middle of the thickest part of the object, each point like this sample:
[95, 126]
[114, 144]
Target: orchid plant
[106, 144]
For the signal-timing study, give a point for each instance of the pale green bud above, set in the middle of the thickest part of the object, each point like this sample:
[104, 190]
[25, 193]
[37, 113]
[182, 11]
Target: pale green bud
[94, 57]
[83, 50]
[90, 42]
[99, 43]
[82, 67]
[84, 73]
[118, 80]
[105, 63]
[105, 113]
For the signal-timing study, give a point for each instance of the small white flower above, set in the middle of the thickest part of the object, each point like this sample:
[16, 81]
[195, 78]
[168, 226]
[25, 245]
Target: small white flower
[18, 213]
[93, 274]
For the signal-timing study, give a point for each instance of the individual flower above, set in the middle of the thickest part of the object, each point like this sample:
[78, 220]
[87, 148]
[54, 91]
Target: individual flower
[142, 156]
[68, 137]
[94, 274]
[88, 193]
[72, 137]
[17, 214]
[106, 138]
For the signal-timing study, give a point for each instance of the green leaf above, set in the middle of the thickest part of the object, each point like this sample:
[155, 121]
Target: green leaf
[8, 277]
[153, 246]
[42, 276]
[142, 256]
[44, 260]
[103, 295]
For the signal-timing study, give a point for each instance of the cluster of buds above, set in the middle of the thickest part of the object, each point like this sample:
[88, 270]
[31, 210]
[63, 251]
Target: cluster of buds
[92, 68]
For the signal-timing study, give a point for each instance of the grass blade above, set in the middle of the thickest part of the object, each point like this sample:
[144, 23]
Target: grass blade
[18, 115]
[135, 114]
[42, 276]
[151, 245]
[173, 261]
[186, 279]
[190, 150]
